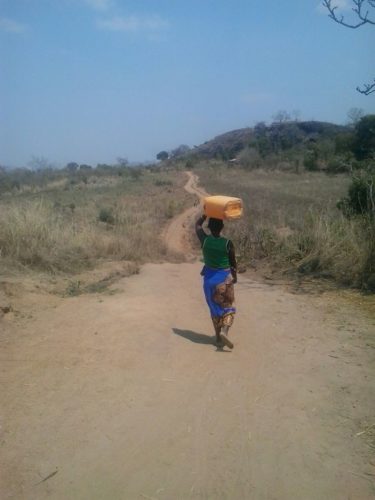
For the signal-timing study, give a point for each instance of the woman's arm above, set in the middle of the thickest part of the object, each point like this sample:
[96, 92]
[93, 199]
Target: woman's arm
[199, 229]
[232, 261]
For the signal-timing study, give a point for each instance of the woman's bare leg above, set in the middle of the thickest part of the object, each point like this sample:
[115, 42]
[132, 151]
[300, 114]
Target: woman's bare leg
[224, 336]
[217, 329]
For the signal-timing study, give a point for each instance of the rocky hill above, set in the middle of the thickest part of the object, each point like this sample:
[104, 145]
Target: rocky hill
[277, 136]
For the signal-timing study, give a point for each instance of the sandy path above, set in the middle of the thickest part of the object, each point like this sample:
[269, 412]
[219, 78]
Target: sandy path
[124, 396]
[176, 234]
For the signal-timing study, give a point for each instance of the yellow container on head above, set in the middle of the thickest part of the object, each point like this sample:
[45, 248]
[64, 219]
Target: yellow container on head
[223, 207]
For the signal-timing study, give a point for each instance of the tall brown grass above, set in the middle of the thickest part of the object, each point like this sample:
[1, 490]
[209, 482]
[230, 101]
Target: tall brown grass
[61, 231]
[292, 220]
[334, 247]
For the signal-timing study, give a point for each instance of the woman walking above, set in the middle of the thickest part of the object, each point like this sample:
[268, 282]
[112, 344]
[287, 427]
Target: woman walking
[219, 275]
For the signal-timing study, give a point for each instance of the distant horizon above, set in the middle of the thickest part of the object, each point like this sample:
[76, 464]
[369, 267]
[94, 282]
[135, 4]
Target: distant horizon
[135, 163]
[93, 80]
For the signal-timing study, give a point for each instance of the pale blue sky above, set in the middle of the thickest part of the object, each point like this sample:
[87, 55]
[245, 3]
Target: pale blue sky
[91, 80]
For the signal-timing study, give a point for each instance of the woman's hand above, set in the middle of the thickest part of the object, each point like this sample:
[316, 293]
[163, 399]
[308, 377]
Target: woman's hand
[201, 219]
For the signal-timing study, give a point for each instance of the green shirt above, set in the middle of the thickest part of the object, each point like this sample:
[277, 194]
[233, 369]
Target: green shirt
[215, 252]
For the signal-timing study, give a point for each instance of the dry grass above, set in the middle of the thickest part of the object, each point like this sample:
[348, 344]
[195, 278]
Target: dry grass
[292, 220]
[59, 229]
[334, 247]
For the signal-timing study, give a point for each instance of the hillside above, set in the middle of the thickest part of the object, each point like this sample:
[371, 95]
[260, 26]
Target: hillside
[233, 141]
[275, 137]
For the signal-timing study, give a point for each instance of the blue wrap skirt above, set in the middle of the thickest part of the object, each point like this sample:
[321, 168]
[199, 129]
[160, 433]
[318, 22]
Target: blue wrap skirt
[219, 293]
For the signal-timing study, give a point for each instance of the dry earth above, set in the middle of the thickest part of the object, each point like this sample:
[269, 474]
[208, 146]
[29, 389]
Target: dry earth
[123, 395]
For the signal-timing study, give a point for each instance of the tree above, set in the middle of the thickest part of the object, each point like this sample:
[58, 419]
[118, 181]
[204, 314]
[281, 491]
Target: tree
[163, 155]
[72, 167]
[354, 115]
[364, 140]
[281, 116]
[344, 143]
[362, 17]
[123, 162]
[39, 163]
[180, 151]
[85, 168]
[260, 129]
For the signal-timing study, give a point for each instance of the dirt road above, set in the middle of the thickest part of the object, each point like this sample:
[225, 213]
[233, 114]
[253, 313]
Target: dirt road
[124, 396]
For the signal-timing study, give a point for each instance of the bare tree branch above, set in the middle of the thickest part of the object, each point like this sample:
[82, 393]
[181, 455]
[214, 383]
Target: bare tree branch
[368, 88]
[358, 9]
[363, 18]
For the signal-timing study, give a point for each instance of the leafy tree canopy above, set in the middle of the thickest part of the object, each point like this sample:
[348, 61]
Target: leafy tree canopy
[163, 155]
[364, 140]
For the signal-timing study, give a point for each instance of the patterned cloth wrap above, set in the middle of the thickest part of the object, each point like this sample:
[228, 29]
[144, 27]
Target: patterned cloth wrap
[219, 293]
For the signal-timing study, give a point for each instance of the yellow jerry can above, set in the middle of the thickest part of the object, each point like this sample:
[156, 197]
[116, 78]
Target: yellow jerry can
[223, 207]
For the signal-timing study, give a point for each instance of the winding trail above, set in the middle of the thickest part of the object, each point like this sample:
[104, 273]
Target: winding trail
[176, 233]
[123, 395]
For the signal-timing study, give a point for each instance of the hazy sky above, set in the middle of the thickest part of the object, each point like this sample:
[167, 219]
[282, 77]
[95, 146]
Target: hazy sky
[91, 80]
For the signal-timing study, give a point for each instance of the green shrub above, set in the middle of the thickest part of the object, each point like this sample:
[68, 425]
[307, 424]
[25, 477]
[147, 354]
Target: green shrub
[135, 173]
[344, 142]
[163, 182]
[171, 209]
[310, 162]
[361, 195]
[106, 215]
[190, 164]
[338, 166]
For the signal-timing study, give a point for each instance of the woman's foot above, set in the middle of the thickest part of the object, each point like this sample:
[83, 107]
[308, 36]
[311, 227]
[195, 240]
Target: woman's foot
[226, 341]
[218, 342]
[224, 337]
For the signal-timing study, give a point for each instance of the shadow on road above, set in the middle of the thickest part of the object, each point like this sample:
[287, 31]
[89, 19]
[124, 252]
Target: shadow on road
[198, 338]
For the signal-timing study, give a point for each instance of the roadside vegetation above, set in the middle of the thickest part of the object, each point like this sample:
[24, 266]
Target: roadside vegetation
[292, 221]
[65, 221]
[308, 190]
